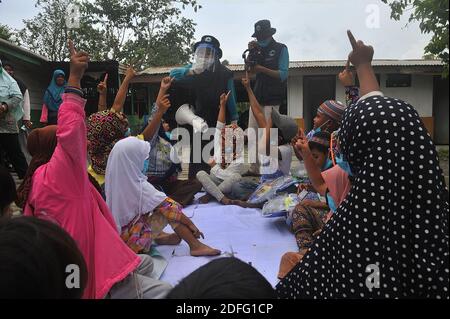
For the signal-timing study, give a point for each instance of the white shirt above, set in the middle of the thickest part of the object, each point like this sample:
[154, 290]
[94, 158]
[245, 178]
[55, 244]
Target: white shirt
[236, 166]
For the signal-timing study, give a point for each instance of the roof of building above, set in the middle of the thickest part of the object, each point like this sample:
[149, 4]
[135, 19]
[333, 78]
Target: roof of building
[315, 64]
[9, 48]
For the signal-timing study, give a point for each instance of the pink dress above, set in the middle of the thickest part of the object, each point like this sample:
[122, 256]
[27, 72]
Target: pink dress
[338, 184]
[61, 192]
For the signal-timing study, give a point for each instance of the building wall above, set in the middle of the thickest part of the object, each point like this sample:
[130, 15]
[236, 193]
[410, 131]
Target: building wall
[36, 81]
[295, 96]
[419, 95]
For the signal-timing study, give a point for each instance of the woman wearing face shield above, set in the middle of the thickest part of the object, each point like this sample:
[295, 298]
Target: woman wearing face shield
[206, 79]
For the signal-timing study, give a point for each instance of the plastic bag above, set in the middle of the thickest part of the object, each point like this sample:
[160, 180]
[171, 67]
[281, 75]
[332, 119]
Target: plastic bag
[280, 205]
[269, 189]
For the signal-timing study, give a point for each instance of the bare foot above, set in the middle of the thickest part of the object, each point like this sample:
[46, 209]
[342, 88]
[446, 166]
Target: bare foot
[245, 204]
[226, 201]
[203, 250]
[205, 199]
[167, 239]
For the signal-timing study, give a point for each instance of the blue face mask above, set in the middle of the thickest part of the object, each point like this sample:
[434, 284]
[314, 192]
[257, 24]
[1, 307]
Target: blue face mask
[146, 164]
[344, 165]
[128, 132]
[328, 164]
[264, 43]
[331, 203]
[314, 131]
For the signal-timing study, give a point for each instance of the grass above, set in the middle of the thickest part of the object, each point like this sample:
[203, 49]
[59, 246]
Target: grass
[443, 154]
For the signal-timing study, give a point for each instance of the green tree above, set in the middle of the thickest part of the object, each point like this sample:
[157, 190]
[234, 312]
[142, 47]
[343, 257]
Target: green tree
[138, 32]
[432, 16]
[46, 33]
[5, 32]
[144, 32]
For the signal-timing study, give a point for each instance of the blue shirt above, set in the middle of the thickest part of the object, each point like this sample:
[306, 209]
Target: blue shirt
[283, 64]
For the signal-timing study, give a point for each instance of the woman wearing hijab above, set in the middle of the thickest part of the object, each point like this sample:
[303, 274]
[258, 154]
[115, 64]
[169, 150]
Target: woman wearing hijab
[140, 211]
[57, 189]
[53, 98]
[106, 127]
[389, 238]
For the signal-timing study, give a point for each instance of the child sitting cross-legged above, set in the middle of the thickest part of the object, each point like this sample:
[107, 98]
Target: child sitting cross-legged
[230, 166]
[330, 181]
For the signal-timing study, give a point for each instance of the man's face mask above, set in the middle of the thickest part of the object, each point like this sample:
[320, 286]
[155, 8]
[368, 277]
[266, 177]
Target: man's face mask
[264, 43]
[205, 58]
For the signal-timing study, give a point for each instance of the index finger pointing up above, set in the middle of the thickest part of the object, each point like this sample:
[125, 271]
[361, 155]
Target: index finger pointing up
[352, 39]
[106, 78]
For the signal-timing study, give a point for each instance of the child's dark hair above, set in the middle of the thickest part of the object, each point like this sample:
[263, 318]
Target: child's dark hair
[320, 142]
[34, 256]
[7, 189]
[224, 278]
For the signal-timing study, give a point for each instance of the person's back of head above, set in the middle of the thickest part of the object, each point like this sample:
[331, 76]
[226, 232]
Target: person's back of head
[224, 278]
[7, 192]
[38, 259]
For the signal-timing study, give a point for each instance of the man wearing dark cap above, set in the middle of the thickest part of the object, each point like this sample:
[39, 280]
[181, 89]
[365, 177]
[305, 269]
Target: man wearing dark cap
[207, 79]
[271, 74]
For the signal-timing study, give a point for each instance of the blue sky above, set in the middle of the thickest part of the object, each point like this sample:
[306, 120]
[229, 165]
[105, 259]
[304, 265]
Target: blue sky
[312, 29]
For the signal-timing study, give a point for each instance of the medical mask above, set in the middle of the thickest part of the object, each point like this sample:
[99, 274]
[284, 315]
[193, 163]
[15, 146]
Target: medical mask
[314, 131]
[331, 203]
[146, 164]
[344, 165]
[264, 43]
[328, 164]
[128, 132]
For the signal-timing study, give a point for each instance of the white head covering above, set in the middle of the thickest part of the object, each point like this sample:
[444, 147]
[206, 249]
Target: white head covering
[128, 194]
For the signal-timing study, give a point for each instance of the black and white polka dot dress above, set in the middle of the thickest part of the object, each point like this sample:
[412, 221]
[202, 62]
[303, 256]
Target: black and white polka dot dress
[395, 218]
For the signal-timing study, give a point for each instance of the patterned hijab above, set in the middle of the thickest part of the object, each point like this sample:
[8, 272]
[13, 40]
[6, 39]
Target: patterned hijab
[105, 129]
[389, 238]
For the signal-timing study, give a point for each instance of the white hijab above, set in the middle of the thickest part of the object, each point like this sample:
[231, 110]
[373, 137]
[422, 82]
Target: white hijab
[128, 194]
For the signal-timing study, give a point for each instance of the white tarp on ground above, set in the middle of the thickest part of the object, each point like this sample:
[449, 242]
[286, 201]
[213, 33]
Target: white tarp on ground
[234, 230]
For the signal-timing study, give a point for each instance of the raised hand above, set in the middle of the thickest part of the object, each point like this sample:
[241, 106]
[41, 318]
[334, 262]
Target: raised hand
[163, 103]
[166, 83]
[361, 53]
[78, 64]
[346, 76]
[131, 73]
[246, 81]
[224, 99]
[302, 146]
[102, 87]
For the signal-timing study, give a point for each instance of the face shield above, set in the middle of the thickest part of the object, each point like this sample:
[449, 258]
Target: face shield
[205, 58]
